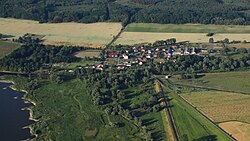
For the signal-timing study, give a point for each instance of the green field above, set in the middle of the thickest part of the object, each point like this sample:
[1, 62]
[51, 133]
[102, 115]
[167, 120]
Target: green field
[229, 81]
[186, 28]
[190, 124]
[7, 47]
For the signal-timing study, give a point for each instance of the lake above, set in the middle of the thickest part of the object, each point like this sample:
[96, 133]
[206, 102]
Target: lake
[12, 118]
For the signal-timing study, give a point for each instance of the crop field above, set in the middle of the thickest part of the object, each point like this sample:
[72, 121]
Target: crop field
[77, 34]
[239, 130]
[131, 38]
[88, 53]
[238, 82]
[221, 106]
[136, 33]
[7, 47]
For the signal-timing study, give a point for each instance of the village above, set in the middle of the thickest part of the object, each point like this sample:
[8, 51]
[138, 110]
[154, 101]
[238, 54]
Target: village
[126, 57]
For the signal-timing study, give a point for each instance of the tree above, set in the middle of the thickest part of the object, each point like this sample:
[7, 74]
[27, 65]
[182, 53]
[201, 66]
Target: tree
[211, 40]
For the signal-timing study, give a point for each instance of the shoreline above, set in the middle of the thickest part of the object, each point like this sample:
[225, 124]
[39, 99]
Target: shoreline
[26, 101]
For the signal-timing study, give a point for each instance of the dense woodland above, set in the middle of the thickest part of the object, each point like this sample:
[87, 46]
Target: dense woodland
[127, 11]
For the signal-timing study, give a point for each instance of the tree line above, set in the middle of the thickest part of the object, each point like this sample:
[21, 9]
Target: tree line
[32, 56]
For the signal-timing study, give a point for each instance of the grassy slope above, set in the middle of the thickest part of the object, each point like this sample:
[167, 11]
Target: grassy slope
[229, 81]
[190, 123]
[6, 48]
[68, 114]
[186, 28]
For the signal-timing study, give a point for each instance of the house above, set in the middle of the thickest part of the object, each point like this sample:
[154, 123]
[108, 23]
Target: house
[125, 56]
[148, 56]
[120, 66]
[167, 76]
[100, 67]
[112, 55]
[156, 54]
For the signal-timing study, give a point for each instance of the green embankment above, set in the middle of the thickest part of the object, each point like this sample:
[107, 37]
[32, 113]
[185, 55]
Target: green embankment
[186, 28]
[191, 125]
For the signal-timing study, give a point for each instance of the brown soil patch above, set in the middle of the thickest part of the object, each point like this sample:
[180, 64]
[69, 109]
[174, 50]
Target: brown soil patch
[239, 130]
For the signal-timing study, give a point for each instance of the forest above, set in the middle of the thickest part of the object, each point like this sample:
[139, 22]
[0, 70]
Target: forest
[128, 11]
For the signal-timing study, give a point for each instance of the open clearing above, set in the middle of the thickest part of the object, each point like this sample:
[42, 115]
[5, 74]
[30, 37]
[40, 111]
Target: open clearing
[7, 47]
[131, 38]
[238, 82]
[136, 33]
[88, 53]
[221, 106]
[93, 35]
[239, 130]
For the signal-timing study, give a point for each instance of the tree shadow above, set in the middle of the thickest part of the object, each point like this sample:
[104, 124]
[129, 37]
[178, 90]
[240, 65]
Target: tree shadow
[149, 121]
[207, 138]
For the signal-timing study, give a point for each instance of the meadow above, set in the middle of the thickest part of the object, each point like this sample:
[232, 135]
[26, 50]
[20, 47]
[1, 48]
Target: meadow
[238, 82]
[187, 28]
[67, 112]
[7, 47]
[77, 34]
[136, 33]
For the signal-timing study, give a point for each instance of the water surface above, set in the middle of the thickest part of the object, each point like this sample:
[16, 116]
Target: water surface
[12, 118]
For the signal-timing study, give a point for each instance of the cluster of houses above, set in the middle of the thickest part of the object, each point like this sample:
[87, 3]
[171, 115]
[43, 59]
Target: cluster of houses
[142, 55]
[138, 56]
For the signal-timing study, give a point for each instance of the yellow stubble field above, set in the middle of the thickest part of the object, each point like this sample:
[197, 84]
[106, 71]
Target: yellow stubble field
[78, 34]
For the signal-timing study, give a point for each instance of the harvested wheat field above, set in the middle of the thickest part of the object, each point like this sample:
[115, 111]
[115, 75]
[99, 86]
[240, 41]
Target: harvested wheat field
[239, 130]
[221, 106]
[130, 38]
[94, 35]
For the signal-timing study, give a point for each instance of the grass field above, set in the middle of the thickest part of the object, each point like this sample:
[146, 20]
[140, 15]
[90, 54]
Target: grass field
[186, 28]
[148, 33]
[94, 35]
[7, 47]
[221, 106]
[228, 81]
[88, 53]
[191, 125]
[240, 131]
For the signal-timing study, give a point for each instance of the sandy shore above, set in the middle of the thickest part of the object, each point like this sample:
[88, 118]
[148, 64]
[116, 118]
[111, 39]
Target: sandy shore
[6, 81]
